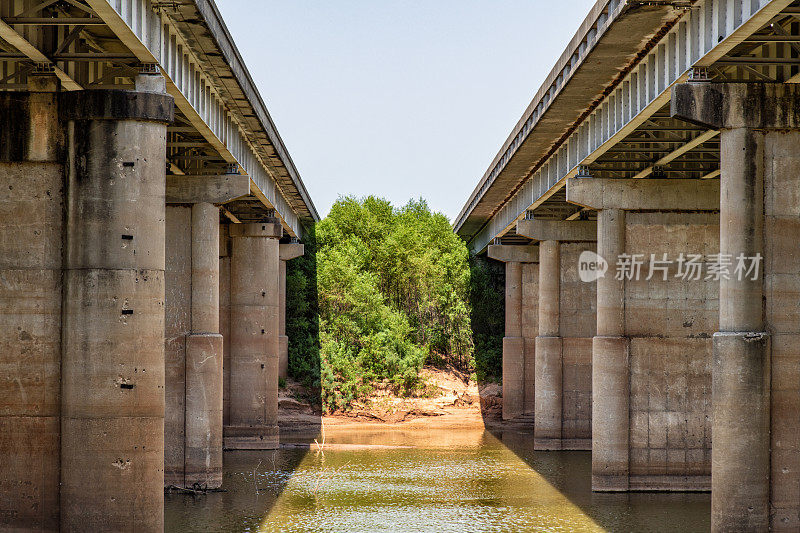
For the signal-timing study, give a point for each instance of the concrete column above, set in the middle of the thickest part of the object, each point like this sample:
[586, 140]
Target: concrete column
[205, 268]
[563, 362]
[530, 330]
[255, 265]
[112, 428]
[759, 133]
[549, 398]
[203, 420]
[32, 216]
[513, 345]
[194, 343]
[515, 356]
[741, 377]
[610, 364]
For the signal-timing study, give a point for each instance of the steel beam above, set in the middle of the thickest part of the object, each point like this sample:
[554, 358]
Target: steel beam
[16, 40]
[701, 38]
[150, 38]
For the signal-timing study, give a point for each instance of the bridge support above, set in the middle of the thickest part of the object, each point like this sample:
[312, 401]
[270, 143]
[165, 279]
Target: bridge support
[549, 375]
[193, 343]
[756, 396]
[610, 365]
[112, 364]
[566, 327]
[288, 252]
[32, 215]
[521, 327]
[254, 325]
[84, 293]
[652, 353]
[203, 438]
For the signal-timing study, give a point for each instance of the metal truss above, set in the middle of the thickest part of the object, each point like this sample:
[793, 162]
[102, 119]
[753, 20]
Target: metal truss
[629, 133]
[97, 44]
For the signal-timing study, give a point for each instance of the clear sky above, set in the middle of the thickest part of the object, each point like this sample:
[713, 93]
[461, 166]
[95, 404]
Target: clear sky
[398, 98]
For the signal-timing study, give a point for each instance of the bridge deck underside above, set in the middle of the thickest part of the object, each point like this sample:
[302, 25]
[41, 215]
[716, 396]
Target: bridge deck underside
[647, 144]
[85, 53]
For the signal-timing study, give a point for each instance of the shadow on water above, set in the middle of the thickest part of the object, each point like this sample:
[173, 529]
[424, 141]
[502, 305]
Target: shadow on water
[569, 472]
[254, 480]
[380, 478]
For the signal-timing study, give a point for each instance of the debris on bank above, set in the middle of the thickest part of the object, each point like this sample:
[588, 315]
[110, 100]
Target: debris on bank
[448, 393]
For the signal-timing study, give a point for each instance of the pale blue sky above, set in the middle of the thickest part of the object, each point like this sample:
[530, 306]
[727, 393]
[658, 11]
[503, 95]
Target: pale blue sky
[398, 98]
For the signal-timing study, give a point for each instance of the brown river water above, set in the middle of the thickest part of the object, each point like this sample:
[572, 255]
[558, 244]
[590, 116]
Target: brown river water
[424, 480]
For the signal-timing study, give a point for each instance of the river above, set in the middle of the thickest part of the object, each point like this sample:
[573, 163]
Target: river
[395, 480]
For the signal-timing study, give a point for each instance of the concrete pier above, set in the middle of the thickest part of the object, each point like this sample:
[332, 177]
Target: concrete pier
[549, 375]
[254, 326]
[193, 342]
[755, 474]
[651, 357]
[203, 455]
[566, 327]
[111, 350]
[610, 365]
[288, 252]
[32, 210]
[519, 344]
[112, 362]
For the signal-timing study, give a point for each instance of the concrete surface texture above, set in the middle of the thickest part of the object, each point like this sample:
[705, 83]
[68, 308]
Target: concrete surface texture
[225, 317]
[577, 326]
[254, 330]
[513, 345]
[32, 208]
[756, 351]
[193, 348]
[519, 341]
[522, 317]
[652, 355]
[670, 324]
[112, 360]
[530, 330]
[547, 429]
[84, 294]
[567, 323]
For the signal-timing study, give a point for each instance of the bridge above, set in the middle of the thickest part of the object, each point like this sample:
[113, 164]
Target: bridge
[664, 140]
[149, 207]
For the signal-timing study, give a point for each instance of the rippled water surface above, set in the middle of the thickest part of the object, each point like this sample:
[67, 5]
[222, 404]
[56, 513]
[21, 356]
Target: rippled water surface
[423, 480]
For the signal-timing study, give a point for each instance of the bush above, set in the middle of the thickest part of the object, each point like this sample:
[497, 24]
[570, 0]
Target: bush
[487, 317]
[382, 291]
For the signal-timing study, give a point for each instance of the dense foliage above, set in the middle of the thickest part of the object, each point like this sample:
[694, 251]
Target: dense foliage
[393, 287]
[487, 302]
[302, 314]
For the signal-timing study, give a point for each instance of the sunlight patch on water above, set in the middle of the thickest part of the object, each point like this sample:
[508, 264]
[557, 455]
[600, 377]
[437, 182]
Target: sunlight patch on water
[480, 485]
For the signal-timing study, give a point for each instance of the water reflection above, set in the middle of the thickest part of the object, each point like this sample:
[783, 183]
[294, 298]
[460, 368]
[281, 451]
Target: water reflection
[386, 479]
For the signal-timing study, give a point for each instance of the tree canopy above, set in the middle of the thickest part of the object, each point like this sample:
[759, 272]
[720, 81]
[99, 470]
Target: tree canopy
[393, 289]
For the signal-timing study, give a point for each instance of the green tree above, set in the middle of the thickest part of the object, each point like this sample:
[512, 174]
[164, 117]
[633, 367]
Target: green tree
[382, 291]
[392, 287]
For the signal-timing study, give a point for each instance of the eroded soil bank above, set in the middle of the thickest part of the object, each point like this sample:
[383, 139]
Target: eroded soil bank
[450, 400]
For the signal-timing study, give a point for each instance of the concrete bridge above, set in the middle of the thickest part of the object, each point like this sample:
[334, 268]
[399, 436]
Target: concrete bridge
[148, 210]
[666, 140]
